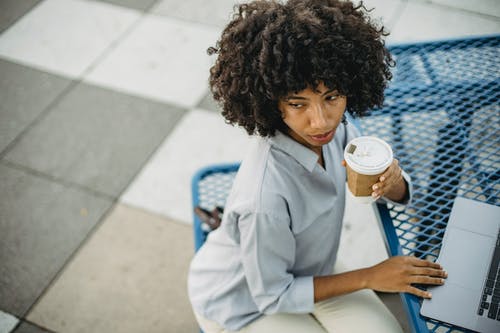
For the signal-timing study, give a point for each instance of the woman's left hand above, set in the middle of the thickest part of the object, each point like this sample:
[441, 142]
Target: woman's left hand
[391, 183]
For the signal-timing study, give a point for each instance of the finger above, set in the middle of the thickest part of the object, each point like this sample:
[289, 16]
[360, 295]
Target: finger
[388, 172]
[424, 263]
[381, 186]
[378, 190]
[393, 172]
[420, 279]
[418, 292]
[344, 163]
[434, 272]
[387, 179]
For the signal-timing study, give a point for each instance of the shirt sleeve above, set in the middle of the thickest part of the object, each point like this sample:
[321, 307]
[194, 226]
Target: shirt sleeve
[352, 131]
[268, 256]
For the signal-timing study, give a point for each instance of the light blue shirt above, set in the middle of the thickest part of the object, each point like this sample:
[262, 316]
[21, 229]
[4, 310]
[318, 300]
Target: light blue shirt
[281, 227]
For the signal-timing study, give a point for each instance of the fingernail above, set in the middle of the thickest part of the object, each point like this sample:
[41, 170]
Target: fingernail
[445, 274]
[375, 187]
[382, 178]
[429, 295]
[442, 281]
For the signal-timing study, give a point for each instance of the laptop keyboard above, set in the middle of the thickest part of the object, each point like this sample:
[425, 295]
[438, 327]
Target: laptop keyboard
[490, 300]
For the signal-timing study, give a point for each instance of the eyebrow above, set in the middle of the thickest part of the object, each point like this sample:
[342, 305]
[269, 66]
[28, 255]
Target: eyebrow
[303, 98]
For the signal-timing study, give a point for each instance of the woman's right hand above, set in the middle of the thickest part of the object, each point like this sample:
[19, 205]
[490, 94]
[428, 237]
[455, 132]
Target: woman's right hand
[398, 274]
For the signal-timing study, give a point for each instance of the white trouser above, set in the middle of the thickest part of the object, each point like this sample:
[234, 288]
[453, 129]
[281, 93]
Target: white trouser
[361, 311]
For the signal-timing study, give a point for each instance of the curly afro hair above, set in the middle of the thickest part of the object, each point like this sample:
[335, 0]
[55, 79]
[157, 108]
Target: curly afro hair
[271, 49]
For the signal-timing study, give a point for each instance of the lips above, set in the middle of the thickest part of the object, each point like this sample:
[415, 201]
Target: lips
[325, 137]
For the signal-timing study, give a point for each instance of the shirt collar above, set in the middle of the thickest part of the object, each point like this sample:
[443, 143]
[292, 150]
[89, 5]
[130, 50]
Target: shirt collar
[305, 156]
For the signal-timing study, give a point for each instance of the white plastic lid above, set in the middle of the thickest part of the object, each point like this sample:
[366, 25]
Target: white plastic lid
[368, 155]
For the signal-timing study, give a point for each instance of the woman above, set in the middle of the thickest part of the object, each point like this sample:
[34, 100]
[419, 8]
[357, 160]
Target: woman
[287, 73]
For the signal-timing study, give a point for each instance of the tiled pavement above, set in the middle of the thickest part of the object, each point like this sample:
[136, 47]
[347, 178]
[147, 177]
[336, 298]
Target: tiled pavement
[104, 117]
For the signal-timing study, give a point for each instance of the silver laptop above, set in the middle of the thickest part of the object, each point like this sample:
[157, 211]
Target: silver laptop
[470, 253]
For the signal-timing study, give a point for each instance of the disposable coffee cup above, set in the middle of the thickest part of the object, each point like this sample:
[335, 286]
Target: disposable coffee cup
[367, 157]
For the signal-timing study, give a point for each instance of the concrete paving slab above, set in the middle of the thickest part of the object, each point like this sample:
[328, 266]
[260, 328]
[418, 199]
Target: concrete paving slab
[42, 223]
[211, 12]
[142, 5]
[208, 103]
[129, 277]
[56, 36]
[487, 7]
[12, 10]
[384, 11]
[219, 12]
[27, 327]
[96, 138]
[424, 21]
[7, 322]
[361, 240]
[164, 184]
[163, 59]
[25, 93]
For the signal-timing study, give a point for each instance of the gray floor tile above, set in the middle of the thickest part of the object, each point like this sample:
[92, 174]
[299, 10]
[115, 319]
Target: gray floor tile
[24, 92]
[95, 137]
[142, 5]
[208, 103]
[41, 223]
[422, 21]
[488, 7]
[213, 12]
[129, 277]
[66, 36]
[26, 327]
[12, 10]
[7, 322]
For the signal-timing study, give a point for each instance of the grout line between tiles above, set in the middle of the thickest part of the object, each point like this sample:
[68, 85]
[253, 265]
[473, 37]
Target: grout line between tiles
[393, 21]
[74, 82]
[84, 242]
[111, 46]
[156, 214]
[20, 321]
[20, 17]
[70, 258]
[145, 10]
[114, 202]
[76, 252]
[24, 320]
[453, 8]
[118, 40]
[151, 6]
[57, 180]
[38, 118]
[188, 21]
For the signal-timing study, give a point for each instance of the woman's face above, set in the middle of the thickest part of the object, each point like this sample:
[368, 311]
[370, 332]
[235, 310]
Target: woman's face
[313, 115]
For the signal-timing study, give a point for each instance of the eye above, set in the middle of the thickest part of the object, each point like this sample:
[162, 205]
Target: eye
[332, 97]
[296, 105]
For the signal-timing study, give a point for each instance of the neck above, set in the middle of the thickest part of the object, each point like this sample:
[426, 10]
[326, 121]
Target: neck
[319, 152]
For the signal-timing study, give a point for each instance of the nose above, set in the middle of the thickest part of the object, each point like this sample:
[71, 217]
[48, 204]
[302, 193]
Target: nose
[318, 117]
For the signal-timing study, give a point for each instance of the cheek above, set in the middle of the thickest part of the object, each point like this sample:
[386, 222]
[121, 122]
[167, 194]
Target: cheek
[294, 120]
[339, 112]
[292, 124]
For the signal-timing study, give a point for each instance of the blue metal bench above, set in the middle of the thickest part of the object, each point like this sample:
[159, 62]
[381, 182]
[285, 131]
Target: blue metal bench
[442, 117]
